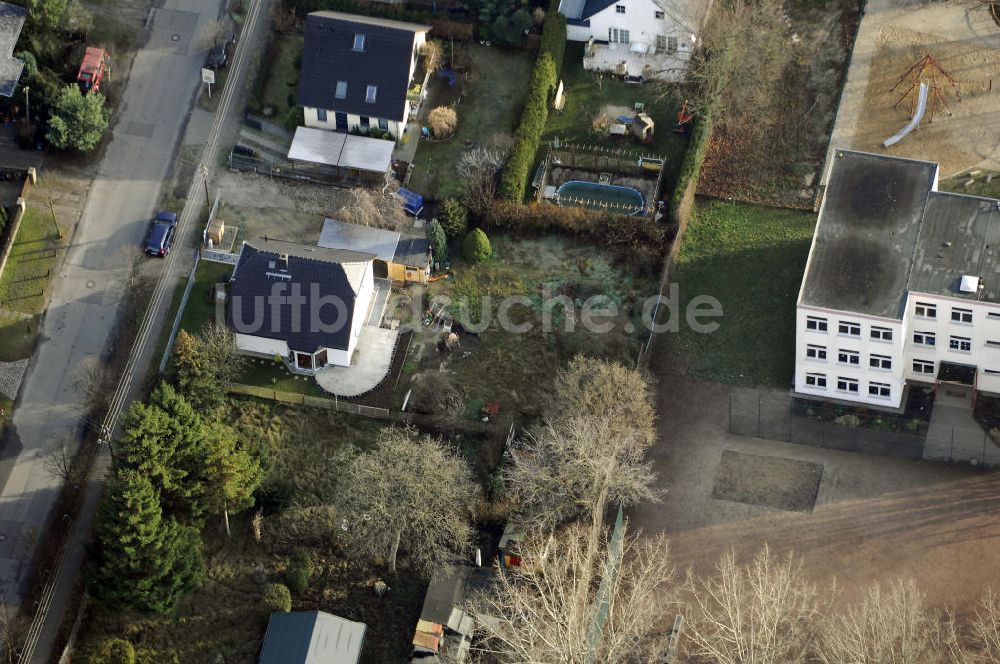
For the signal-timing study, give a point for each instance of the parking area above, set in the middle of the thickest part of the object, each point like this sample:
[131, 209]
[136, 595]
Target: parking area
[874, 518]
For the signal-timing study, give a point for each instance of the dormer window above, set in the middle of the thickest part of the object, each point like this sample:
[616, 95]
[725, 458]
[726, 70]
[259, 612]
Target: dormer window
[359, 42]
[341, 91]
[370, 94]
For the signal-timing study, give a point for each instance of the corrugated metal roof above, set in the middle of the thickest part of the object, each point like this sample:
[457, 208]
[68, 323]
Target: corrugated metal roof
[339, 234]
[318, 146]
[312, 637]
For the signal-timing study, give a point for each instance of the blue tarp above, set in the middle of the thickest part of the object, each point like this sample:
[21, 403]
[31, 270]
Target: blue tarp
[412, 201]
[448, 74]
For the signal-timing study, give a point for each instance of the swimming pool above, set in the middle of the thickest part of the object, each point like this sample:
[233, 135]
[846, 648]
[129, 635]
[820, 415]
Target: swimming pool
[597, 196]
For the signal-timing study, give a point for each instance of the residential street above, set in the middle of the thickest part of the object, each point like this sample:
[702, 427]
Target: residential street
[81, 317]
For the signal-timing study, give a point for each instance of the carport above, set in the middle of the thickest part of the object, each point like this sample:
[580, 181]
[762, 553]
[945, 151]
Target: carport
[342, 155]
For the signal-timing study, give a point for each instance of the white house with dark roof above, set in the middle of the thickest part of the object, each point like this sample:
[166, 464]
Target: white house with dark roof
[304, 303]
[901, 288]
[651, 39]
[357, 70]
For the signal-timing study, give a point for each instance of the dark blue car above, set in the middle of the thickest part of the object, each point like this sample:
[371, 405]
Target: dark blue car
[160, 235]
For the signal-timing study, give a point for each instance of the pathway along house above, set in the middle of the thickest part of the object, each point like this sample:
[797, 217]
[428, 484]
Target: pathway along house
[305, 304]
[901, 289]
[356, 71]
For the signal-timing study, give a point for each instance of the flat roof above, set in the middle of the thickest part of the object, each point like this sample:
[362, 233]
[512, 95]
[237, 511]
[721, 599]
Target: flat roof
[312, 637]
[866, 233]
[337, 234]
[319, 146]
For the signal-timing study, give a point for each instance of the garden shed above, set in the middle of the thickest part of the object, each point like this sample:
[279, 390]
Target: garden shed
[405, 259]
[312, 637]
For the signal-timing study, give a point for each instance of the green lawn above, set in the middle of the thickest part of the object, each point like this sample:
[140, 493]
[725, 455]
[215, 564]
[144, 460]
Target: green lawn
[751, 259]
[492, 95]
[587, 93]
[32, 260]
[277, 90]
[200, 308]
[17, 338]
[267, 373]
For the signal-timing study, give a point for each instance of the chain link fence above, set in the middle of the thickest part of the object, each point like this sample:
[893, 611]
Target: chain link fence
[776, 416]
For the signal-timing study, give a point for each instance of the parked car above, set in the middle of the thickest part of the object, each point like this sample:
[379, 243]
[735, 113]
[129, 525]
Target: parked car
[218, 57]
[160, 235]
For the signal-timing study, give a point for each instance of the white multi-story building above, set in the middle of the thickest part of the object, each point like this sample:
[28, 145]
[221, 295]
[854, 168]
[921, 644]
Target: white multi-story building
[902, 288]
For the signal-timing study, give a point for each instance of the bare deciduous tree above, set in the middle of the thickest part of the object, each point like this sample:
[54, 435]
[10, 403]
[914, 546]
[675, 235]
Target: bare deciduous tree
[411, 493]
[890, 626]
[93, 381]
[478, 168]
[985, 630]
[219, 342]
[59, 460]
[533, 613]
[372, 208]
[763, 612]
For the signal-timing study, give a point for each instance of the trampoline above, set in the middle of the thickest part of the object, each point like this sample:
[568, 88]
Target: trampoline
[597, 196]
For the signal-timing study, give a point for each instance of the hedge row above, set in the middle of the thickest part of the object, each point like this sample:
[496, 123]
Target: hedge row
[687, 180]
[554, 38]
[529, 132]
[613, 229]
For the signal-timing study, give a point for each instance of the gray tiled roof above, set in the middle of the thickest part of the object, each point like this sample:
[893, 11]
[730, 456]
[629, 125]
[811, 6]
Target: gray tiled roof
[328, 56]
[11, 22]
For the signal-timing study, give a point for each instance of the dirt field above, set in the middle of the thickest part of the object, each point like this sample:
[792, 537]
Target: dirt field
[894, 35]
[772, 153]
[875, 518]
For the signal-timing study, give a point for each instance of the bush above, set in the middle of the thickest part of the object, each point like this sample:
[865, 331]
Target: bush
[613, 229]
[438, 240]
[687, 182]
[514, 179]
[299, 572]
[476, 247]
[454, 218]
[443, 121]
[116, 651]
[277, 598]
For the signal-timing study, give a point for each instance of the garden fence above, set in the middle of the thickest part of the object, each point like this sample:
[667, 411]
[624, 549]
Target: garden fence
[776, 416]
[15, 223]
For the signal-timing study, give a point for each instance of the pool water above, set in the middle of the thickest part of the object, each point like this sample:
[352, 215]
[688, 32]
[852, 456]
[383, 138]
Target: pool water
[597, 196]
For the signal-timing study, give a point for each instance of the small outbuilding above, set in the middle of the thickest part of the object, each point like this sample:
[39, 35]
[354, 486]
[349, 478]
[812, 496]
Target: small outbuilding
[312, 637]
[404, 259]
[342, 156]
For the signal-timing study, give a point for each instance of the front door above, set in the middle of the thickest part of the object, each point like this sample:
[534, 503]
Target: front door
[341, 121]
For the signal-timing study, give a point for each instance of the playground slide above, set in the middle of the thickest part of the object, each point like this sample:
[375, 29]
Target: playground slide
[921, 107]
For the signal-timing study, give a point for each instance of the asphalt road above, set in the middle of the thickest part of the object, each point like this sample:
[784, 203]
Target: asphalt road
[82, 313]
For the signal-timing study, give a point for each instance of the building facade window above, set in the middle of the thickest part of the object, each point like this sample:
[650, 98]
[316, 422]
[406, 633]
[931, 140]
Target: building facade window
[365, 121]
[995, 315]
[961, 344]
[816, 380]
[880, 390]
[816, 352]
[847, 384]
[383, 124]
[924, 338]
[848, 328]
[881, 334]
[619, 9]
[816, 324]
[849, 357]
[359, 42]
[923, 367]
[661, 43]
[993, 343]
[879, 361]
[926, 310]
[321, 115]
[658, 15]
[341, 91]
[961, 315]
[370, 93]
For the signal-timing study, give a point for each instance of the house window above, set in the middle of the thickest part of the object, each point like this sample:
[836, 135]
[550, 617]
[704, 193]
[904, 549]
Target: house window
[661, 43]
[926, 310]
[881, 390]
[671, 44]
[383, 124]
[847, 384]
[616, 35]
[961, 315]
[359, 42]
[816, 380]
[923, 366]
[992, 343]
[817, 324]
[658, 15]
[962, 344]
[341, 91]
[321, 358]
[924, 338]
[816, 352]
[848, 357]
[851, 329]
[370, 93]
[994, 315]
[365, 121]
[880, 361]
[321, 115]
[881, 334]
[619, 9]
[623, 36]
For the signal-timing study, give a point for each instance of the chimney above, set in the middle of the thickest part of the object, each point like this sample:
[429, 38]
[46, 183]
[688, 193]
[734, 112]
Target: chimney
[283, 262]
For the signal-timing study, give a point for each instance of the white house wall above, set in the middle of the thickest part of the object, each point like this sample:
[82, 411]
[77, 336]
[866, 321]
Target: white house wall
[353, 121]
[362, 304]
[863, 344]
[639, 19]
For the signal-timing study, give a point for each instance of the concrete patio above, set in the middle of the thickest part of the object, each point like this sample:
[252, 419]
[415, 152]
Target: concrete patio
[369, 365]
[623, 60]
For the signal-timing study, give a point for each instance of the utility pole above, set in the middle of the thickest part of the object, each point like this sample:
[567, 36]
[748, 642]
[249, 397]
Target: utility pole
[27, 106]
[208, 197]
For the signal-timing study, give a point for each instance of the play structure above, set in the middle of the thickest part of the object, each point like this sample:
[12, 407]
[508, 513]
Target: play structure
[914, 121]
[637, 123]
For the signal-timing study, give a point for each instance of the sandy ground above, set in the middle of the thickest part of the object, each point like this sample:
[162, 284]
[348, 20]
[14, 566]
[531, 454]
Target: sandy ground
[894, 35]
[875, 519]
